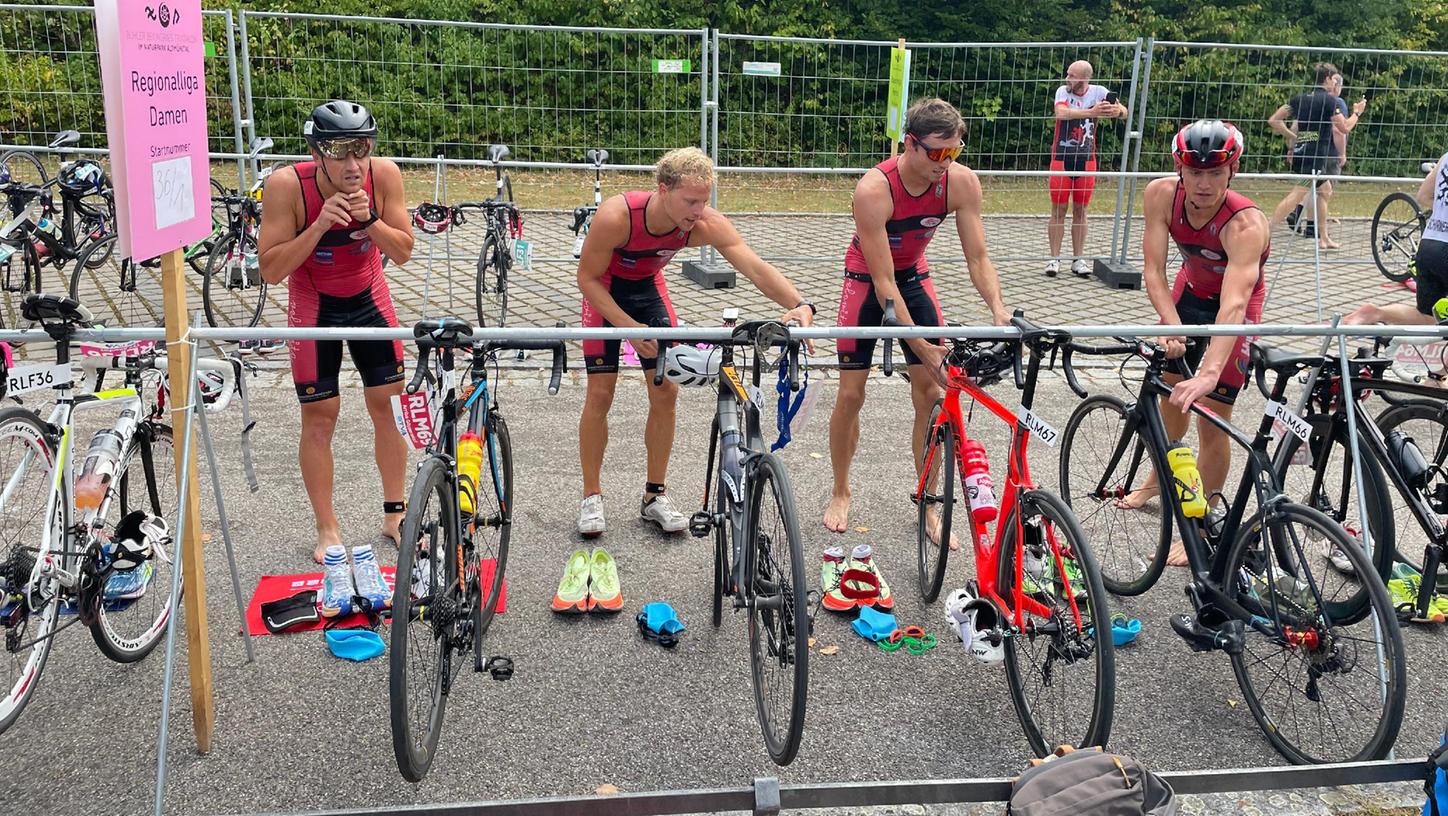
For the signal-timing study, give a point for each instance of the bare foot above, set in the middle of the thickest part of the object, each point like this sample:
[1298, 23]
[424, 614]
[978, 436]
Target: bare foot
[1137, 499]
[325, 539]
[932, 529]
[1328, 245]
[1176, 555]
[837, 515]
[392, 528]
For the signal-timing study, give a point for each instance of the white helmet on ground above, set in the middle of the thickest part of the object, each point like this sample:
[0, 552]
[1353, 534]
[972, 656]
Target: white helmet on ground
[690, 365]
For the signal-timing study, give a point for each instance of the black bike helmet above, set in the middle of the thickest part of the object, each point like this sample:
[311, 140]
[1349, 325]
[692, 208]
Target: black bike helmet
[82, 176]
[339, 119]
[1206, 144]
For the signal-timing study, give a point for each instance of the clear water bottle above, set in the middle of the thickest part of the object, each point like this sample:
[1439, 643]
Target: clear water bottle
[978, 487]
[102, 459]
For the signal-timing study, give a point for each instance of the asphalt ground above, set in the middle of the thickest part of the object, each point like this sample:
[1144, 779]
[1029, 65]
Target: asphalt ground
[592, 703]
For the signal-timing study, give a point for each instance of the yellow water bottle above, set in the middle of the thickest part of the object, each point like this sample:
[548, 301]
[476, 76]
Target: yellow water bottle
[470, 469]
[1188, 480]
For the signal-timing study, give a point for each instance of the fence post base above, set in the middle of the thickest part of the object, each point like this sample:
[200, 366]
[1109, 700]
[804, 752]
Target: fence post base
[710, 274]
[766, 796]
[1116, 274]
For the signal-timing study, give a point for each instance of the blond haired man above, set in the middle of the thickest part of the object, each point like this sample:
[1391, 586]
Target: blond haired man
[621, 277]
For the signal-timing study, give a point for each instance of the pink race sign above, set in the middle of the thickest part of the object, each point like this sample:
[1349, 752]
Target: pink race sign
[152, 74]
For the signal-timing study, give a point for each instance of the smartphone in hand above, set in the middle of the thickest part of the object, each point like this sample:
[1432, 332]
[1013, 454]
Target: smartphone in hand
[1111, 97]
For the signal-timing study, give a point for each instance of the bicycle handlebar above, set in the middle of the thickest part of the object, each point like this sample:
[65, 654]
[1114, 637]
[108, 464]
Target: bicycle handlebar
[229, 368]
[773, 332]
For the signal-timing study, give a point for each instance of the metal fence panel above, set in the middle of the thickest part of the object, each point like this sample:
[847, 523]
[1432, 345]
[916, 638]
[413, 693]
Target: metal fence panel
[441, 87]
[50, 76]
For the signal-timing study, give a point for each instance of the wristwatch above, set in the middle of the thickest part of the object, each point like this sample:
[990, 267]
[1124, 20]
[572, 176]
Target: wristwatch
[369, 222]
[813, 310]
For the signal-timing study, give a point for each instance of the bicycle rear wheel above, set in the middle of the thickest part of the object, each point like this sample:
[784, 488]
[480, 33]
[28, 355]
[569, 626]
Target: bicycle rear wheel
[27, 618]
[492, 282]
[1325, 683]
[494, 526]
[426, 607]
[1061, 672]
[233, 291]
[1396, 229]
[93, 224]
[198, 253]
[1101, 465]
[939, 501]
[133, 620]
[1426, 423]
[779, 613]
[721, 532]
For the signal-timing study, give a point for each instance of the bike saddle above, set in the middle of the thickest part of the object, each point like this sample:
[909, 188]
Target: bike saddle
[498, 152]
[49, 310]
[597, 157]
[1280, 361]
[443, 331]
[261, 144]
[65, 137]
[580, 214]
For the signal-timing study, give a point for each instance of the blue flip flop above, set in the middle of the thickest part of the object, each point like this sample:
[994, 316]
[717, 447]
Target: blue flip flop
[1124, 630]
[874, 625]
[658, 622]
[355, 644]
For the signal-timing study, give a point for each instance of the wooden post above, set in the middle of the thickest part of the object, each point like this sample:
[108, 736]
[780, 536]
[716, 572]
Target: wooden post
[895, 143]
[193, 569]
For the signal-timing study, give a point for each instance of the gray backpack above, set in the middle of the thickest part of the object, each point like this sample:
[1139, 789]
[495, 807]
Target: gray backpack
[1091, 783]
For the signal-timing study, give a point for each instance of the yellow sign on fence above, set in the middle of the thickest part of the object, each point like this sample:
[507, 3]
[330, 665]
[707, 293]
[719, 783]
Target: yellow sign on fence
[899, 98]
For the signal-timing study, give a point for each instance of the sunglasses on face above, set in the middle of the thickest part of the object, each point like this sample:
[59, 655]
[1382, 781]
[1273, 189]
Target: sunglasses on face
[937, 154]
[339, 149]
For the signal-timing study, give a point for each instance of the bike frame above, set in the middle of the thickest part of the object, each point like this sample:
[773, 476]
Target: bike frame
[733, 403]
[1018, 481]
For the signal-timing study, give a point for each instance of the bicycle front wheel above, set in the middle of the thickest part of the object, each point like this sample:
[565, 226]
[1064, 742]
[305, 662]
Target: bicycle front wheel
[425, 612]
[492, 282]
[493, 521]
[1426, 423]
[233, 291]
[1108, 480]
[1396, 229]
[779, 611]
[27, 610]
[936, 503]
[136, 605]
[1060, 668]
[1326, 682]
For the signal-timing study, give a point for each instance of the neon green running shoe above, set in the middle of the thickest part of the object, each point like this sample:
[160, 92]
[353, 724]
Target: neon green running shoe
[572, 595]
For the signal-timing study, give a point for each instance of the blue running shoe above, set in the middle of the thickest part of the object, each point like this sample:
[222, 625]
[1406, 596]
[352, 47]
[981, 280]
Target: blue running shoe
[368, 578]
[337, 588]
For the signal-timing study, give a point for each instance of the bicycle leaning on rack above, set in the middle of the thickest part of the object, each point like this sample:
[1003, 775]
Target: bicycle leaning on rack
[1317, 653]
[1397, 227]
[758, 551]
[455, 535]
[1038, 571]
[583, 216]
[85, 537]
[33, 229]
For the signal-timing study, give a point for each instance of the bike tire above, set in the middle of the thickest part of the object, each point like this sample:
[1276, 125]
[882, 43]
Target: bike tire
[1131, 547]
[499, 447]
[779, 626]
[102, 248]
[415, 744]
[1331, 488]
[939, 462]
[1429, 430]
[1067, 632]
[1390, 259]
[491, 290]
[23, 674]
[142, 486]
[198, 253]
[94, 226]
[721, 533]
[228, 303]
[1301, 606]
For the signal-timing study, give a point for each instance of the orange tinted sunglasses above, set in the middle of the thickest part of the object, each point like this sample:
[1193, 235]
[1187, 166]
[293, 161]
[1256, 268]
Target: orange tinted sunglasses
[937, 154]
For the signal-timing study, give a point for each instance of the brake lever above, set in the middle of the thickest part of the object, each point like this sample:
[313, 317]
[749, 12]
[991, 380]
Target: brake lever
[422, 373]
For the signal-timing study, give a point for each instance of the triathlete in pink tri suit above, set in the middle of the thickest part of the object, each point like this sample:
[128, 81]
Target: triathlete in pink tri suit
[325, 227]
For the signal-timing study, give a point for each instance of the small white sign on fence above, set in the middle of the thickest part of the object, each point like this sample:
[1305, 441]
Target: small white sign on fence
[762, 69]
[673, 66]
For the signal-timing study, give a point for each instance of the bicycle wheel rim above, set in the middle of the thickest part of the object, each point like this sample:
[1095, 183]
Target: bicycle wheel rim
[1052, 709]
[938, 500]
[419, 654]
[1130, 544]
[490, 539]
[128, 631]
[488, 299]
[1280, 674]
[1426, 423]
[21, 520]
[1395, 236]
[778, 617]
[233, 294]
[721, 535]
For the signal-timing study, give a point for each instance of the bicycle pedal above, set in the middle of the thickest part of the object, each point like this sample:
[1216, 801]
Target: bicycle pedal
[501, 668]
[700, 524]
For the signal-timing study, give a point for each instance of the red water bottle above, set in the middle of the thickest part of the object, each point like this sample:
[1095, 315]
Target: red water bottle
[978, 487]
